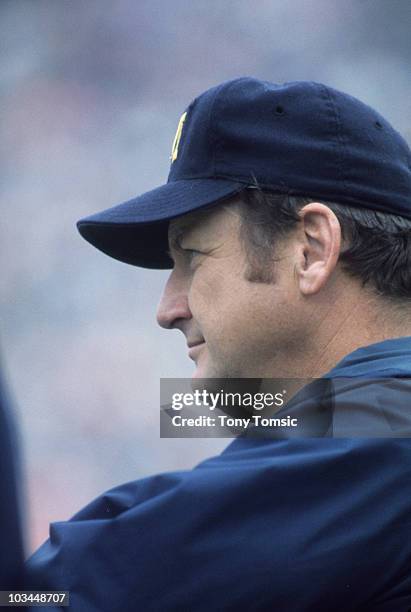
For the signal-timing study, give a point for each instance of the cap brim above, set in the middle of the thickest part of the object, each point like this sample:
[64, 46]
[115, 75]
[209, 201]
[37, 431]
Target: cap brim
[135, 232]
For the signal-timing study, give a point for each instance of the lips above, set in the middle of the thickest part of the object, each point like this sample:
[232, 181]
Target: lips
[193, 343]
[194, 348]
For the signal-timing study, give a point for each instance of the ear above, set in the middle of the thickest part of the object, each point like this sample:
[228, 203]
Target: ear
[320, 247]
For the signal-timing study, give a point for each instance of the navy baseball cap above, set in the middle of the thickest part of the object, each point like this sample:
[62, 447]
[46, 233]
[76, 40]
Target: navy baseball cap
[301, 138]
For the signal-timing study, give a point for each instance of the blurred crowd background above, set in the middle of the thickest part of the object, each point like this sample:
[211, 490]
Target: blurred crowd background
[91, 93]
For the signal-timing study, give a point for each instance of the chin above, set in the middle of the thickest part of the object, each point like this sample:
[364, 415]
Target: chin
[197, 374]
[221, 368]
[204, 370]
[208, 371]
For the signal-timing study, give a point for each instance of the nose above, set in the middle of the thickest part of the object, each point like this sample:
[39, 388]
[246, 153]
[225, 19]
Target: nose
[173, 308]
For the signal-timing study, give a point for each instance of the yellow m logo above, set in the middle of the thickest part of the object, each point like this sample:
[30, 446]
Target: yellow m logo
[177, 137]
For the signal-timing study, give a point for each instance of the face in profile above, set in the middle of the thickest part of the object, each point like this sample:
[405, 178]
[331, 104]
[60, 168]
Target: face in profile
[234, 328]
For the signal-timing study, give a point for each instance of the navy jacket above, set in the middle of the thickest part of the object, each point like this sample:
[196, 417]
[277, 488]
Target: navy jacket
[291, 525]
[11, 548]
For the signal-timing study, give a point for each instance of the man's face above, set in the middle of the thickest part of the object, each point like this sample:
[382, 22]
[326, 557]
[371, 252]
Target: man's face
[233, 327]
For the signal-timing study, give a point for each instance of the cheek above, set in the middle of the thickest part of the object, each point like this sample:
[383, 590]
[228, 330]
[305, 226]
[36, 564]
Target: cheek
[205, 296]
[229, 308]
[214, 301]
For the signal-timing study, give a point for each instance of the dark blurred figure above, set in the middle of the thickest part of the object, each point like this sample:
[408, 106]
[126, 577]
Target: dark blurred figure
[11, 547]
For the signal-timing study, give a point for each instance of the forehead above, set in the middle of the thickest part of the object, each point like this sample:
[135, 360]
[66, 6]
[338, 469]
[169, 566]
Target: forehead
[184, 224]
[203, 222]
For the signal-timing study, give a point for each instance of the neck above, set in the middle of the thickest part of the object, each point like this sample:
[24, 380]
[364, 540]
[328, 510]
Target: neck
[342, 329]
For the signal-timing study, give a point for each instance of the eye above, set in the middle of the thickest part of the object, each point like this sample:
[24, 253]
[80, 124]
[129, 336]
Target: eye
[191, 255]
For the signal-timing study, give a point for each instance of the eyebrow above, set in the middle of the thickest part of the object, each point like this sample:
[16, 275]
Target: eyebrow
[175, 239]
[176, 234]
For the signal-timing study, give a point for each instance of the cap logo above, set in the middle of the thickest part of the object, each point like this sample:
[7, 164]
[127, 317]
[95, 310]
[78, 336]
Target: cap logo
[177, 137]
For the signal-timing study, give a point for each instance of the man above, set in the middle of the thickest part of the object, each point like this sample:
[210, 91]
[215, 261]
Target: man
[287, 222]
